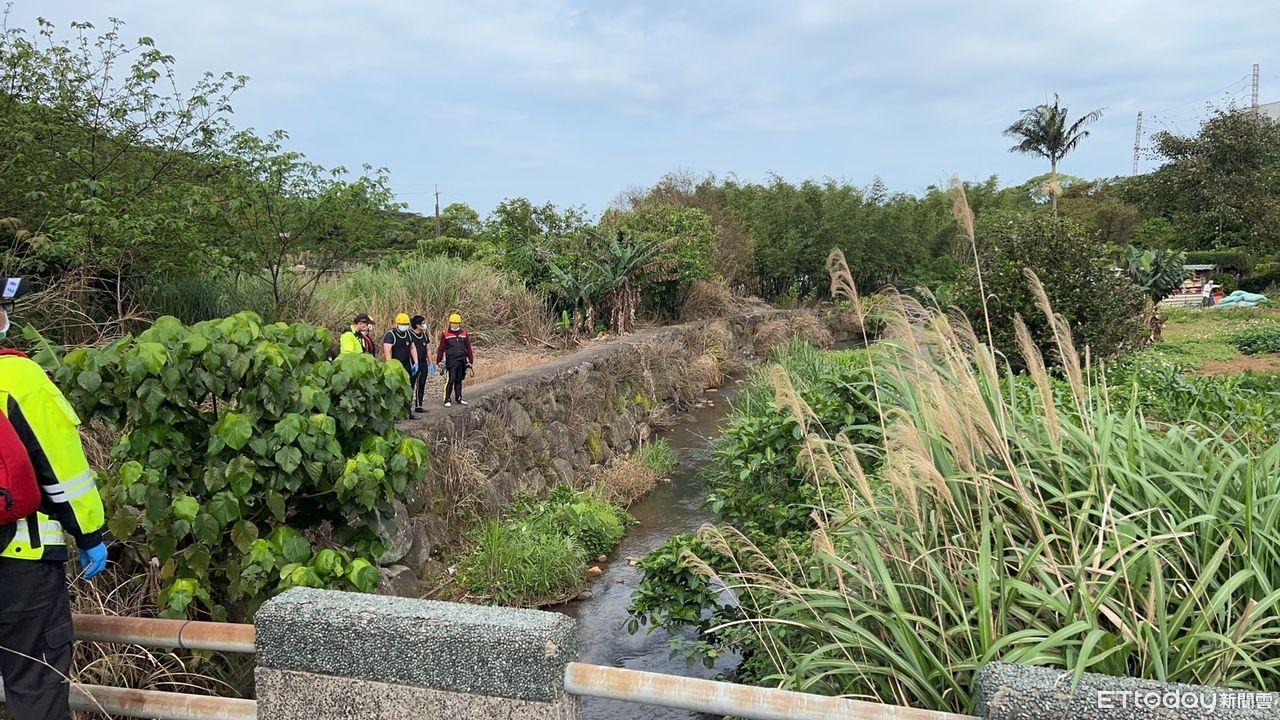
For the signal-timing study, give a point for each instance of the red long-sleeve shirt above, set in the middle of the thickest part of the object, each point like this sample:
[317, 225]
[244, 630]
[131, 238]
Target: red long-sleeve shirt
[454, 344]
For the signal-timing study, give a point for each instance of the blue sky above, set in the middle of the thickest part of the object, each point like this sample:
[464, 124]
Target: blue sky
[574, 102]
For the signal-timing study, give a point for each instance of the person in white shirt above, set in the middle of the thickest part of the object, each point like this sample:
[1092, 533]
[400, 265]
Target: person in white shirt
[1206, 295]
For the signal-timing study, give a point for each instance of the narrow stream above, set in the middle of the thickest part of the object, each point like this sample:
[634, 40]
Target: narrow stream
[671, 509]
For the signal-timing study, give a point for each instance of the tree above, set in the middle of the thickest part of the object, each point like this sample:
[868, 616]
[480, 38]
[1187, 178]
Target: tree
[103, 157]
[459, 220]
[733, 247]
[686, 242]
[530, 238]
[289, 221]
[1078, 272]
[1043, 131]
[1220, 188]
[1157, 272]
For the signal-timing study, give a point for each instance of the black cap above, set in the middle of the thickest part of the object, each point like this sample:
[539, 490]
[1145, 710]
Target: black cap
[13, 289]
[364, 317]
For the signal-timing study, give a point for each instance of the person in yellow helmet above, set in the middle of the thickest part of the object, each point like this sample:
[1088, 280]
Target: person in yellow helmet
[454, 350]
[35, 609]
[398, 345]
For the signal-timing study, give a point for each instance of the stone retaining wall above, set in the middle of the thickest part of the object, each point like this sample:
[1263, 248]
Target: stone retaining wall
[531, 429]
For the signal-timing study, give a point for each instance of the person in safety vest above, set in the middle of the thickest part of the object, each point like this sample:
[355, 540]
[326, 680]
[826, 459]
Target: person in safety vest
[35, 609]
[358, 339]
[454, 350]
[398, 345]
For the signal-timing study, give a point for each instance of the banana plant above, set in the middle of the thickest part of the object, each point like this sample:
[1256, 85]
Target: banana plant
[620, 271]
[1157, 272]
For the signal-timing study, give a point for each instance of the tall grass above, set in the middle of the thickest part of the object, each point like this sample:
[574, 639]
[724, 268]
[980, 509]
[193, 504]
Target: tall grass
[495, 306]
[1026, 520]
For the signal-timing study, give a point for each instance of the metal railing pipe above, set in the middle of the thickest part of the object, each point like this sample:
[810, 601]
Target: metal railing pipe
[721, 698]
[157, 632]
[123, 702]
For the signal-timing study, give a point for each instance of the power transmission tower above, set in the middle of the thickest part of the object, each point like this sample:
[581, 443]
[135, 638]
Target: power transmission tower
[1137, 143]
[437, 211]
[1255, 88]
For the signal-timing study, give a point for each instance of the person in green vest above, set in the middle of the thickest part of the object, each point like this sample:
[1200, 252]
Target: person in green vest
[40, 446]
[358, 338]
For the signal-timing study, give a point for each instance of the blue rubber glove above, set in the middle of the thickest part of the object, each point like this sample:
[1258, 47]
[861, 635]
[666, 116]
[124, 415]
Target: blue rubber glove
[415, 369]
[431, 369]
[94, 560]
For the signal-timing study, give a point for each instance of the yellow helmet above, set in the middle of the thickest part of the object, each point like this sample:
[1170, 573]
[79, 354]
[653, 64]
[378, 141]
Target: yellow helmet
[455, 318]
[402, 319]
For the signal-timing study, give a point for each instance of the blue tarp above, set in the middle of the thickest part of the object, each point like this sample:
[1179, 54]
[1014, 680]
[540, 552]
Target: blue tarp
[1240, 299]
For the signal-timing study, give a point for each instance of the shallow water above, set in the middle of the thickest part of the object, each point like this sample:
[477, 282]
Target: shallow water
[671, 509]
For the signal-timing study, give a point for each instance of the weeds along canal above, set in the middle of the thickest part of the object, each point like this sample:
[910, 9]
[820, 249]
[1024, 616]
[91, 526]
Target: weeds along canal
[673, 508]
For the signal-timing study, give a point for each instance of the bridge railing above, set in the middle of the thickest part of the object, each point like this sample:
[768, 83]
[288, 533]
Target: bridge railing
[573, 679]
[190, 635]
[344, 655]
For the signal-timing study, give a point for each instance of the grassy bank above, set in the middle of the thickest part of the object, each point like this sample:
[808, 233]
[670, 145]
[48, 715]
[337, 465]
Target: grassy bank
[896, 519]
[1202, 340]
[539, 552]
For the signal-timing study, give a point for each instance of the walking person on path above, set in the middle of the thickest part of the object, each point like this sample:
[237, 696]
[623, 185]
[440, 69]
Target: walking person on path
[454, 349]
[398, 345]
[421, 338]
[47, 492]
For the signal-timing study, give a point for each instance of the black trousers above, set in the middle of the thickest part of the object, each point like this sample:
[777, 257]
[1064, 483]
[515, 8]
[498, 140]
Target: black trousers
[35, 639]
[457, 369]
[420, 384]
[408, 369]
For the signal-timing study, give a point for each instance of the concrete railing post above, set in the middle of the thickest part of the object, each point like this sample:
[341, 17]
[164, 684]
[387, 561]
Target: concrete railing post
[344, 655]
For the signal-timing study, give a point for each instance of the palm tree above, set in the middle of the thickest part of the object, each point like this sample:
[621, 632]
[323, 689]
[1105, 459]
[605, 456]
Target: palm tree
[1042, 130]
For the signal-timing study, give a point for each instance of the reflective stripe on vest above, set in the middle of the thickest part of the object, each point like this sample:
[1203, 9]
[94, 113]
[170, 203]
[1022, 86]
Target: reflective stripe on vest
[78, 486]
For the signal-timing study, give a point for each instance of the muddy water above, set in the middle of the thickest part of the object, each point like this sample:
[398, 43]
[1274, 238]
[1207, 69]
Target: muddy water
[671, 509]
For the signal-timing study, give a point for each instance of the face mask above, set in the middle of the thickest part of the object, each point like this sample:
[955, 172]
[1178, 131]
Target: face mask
[403, 328]
[4, 325]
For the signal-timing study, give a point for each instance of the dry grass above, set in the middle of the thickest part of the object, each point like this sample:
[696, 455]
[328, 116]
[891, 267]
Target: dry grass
[624, 481]
[120, 592]
[776, 332]
[501, 361]
[462, 480]
[705, 372]
[709, 299]
[70, 308]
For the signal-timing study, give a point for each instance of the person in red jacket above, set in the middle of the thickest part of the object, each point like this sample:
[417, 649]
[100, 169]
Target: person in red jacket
[454, 350]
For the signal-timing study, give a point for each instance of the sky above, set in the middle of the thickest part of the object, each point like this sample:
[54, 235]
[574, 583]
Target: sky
[574, 102]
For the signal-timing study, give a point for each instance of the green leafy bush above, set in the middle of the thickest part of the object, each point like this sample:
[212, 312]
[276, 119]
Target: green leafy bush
[1264, 277]
[460, 248]
[1258, 340]
[237, 438]
[757, 480]
[1231, 260]
[1103, 307]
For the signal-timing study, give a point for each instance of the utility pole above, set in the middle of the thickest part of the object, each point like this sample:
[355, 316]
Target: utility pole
[437, 211]
[1137, 143]
[1255, 88]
